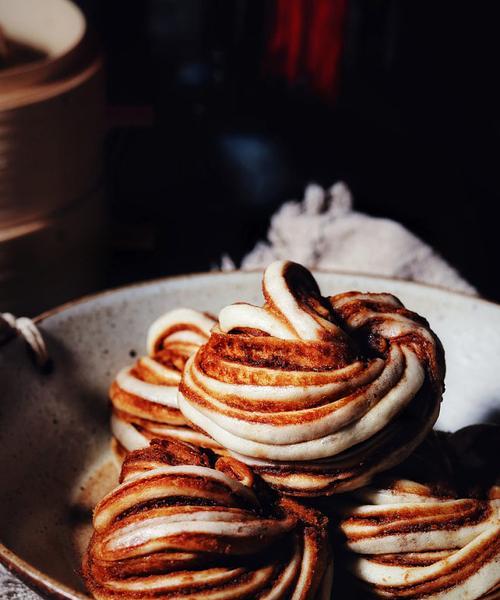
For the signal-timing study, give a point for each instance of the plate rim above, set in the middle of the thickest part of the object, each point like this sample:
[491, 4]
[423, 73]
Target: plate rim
[40, 318]
[37, 580]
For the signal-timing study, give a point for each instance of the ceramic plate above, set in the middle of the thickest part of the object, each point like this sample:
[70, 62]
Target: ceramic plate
[54, 439]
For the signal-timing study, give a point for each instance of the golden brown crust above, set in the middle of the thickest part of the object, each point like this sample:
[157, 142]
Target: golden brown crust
[144, 395]
[376, 310]
[141, 412]
[431, 540]
[183, 529]
[315, 394]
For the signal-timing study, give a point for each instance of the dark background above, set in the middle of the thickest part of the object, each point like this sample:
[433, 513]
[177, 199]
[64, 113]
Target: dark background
[207, 136]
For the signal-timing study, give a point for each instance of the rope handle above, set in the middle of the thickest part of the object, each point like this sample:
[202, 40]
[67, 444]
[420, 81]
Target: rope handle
[11, 326]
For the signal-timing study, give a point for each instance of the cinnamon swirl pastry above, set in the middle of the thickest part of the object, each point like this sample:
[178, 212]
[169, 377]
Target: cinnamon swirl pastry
[144, 395]
[316, 394]
[178, 528]
[440, 540]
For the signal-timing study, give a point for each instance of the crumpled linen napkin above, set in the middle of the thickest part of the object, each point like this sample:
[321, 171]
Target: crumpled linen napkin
[324, 231]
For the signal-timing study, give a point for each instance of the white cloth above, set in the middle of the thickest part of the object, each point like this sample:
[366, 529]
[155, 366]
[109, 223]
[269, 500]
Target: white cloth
[323, 231]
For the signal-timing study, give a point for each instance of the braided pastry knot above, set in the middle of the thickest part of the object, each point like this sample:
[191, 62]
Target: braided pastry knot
[178, 528]
[315, 394]
[144, 395]
[409, 542]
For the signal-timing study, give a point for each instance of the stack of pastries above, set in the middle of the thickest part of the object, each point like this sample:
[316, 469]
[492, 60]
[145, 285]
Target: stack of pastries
[232, 429]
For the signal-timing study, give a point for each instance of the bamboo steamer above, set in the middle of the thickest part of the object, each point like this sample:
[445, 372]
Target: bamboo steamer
[51, 132]
[50, 145]
[55, 27]
[49, 261]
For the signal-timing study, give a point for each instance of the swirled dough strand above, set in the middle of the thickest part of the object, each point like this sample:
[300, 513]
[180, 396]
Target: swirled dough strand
[144, 395]
[413, 544]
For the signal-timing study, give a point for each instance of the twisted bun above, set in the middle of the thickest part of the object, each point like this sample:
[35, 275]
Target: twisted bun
[144, 395]
[178, 528]
[438, 540]
[315, 394]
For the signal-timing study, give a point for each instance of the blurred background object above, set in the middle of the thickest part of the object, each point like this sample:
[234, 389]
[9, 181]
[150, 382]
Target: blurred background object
[218, 112]
[51, 133]
[221, 111]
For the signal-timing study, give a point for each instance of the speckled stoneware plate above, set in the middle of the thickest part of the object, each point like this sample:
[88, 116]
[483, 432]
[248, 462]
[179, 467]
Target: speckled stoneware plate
[54, 441]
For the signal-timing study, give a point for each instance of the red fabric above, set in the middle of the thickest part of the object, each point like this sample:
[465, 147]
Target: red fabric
[306, 43]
